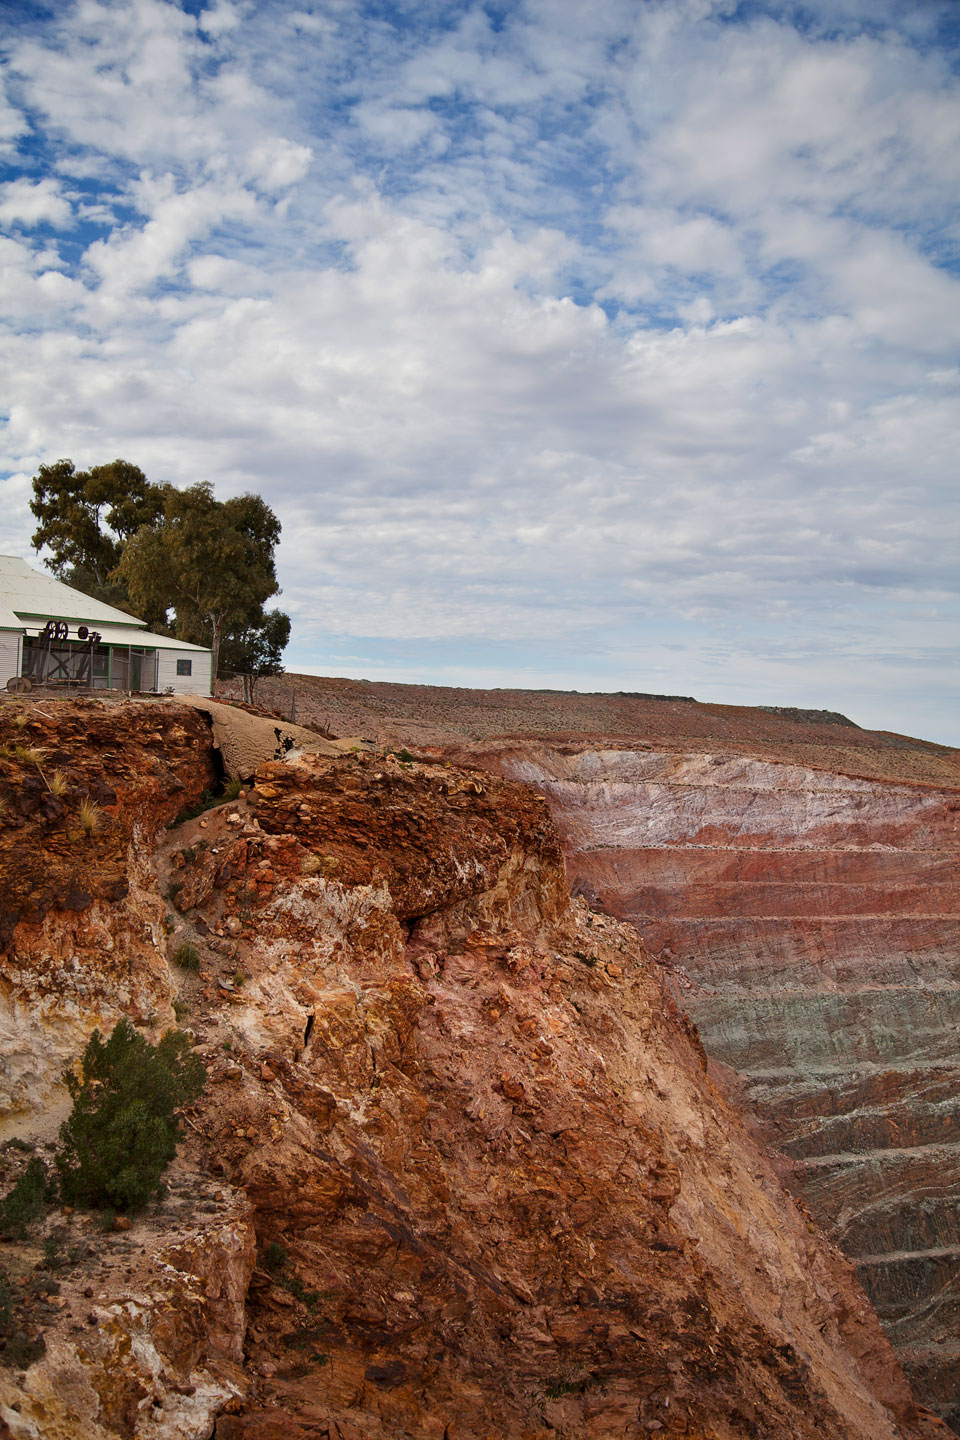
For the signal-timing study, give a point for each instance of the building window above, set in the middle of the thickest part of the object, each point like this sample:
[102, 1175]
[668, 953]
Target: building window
[184, 667]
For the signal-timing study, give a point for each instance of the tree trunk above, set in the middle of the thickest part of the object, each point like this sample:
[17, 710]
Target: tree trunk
[216, 634]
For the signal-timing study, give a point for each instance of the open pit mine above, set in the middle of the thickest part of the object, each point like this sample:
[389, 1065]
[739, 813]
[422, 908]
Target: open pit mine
[795, 878]
[461, 1169]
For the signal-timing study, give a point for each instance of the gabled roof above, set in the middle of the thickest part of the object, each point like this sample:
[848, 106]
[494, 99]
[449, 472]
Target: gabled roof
[27, 592]
[9, 621]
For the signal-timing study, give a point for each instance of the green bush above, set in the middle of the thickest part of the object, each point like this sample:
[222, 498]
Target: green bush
[122, 1131]
[27, 1201]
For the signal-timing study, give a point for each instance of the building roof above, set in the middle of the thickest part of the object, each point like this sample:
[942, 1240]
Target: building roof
[28, 592]
[28, 599]
[9, 621]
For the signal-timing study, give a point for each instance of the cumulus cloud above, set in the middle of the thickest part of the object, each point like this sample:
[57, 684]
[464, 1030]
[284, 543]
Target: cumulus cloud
[31, 203]
[606, 345]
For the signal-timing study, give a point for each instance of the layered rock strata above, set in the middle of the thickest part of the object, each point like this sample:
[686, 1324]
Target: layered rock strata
[493, 1188]
[811, 922]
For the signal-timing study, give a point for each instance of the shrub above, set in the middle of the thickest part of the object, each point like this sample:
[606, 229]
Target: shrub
[27, 1201]
[187, 957]
[275, 1256]
[122, 1131]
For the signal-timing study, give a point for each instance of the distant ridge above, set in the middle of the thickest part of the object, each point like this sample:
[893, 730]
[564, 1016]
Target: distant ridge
[443, 718]
[808, 717]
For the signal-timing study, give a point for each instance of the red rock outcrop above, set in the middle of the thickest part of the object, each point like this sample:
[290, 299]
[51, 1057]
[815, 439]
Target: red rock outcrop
[495, 1191]
[80, 915]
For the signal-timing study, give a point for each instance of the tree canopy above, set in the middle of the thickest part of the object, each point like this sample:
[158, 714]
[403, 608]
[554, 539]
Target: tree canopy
[85, 518]
[180, 559]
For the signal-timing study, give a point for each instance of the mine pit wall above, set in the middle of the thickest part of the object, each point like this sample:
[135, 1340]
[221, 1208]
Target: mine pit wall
[812, 925]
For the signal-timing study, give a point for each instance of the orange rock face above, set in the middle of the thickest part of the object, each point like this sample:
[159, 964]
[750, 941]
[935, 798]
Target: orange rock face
[495, 1192]
[81, 919]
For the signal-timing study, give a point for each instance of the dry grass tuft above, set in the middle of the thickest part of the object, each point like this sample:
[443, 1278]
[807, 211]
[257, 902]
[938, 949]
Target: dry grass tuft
[90, 816]
[187, 957]
[311, 864]
[29, 754]
[58, 784]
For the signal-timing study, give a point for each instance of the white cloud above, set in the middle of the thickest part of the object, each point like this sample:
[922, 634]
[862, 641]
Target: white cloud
[12, 123]
[277, 163]
[219, 19]
[30, 203]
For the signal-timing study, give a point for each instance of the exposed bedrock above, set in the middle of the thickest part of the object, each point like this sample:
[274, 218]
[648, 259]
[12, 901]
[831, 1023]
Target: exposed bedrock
[811, 921]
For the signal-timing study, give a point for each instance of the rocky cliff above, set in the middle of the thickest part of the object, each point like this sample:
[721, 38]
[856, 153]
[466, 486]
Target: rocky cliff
[459, 1170]
[810, 921]
[797, 878]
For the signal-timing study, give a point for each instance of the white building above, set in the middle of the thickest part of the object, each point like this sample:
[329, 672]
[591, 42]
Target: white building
[51, 634]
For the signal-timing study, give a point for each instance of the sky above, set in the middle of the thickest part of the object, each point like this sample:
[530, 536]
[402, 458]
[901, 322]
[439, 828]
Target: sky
[596, 346]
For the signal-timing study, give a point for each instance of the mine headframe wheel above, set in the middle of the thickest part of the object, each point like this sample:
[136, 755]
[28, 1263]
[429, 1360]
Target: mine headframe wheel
[19, 685]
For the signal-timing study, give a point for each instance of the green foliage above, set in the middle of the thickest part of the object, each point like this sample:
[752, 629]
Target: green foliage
[27, 1201]
[211, 561]
[305, 1337]
[187, 956]
[275, 1256]
[310, 1298]
[86, 516]
[256, 649]
[190, 812]
[122, 1131]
